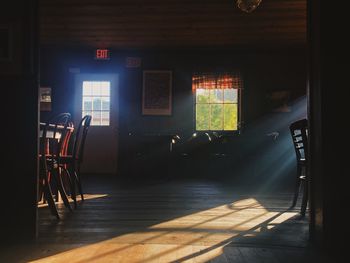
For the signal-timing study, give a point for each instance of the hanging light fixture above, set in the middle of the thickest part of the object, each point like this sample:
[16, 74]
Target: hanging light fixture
[248, 5]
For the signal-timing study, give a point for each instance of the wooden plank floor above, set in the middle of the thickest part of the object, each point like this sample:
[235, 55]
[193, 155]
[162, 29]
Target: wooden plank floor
[175, 221]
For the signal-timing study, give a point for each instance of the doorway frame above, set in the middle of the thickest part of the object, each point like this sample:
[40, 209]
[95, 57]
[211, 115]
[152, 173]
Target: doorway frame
[114, 106]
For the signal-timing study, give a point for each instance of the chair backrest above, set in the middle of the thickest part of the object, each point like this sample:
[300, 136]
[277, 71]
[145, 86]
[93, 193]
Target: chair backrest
[58, 125]
[298, 130]
[80, 138]
[67, 139]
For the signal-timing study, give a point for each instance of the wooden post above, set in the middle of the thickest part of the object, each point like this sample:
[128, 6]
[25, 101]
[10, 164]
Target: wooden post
[19, 121]
[328, 114]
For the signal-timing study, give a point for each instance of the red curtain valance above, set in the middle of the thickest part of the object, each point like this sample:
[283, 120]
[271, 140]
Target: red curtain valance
[216, 81]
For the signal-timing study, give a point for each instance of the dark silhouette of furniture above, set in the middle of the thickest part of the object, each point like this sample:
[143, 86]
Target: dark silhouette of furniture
[298, 130]
[71, 163]
[149, 157]
[192, 153]
[45, 189]
[53, 140]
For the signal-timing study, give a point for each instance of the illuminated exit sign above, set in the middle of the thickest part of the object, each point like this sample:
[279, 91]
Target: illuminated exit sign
[102, 54]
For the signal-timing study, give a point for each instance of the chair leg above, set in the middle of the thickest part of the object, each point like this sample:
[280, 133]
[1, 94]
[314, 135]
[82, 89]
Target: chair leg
[54, 186]
[57, 199]
[297, 186]
[60, 188]
[50, 201]
[77, 176]
[305, 198]
[46, 187]
[49, 198]
[40, 190]
[71, 185]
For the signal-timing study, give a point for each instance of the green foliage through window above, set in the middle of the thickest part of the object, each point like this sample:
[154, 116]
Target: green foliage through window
[216, 107]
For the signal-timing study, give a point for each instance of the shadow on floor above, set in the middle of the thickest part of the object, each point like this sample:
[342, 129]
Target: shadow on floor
[163, 219]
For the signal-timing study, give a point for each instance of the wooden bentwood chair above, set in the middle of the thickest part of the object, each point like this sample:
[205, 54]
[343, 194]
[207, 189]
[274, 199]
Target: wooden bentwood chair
[298, 132]
[71, 163]
[54, 137]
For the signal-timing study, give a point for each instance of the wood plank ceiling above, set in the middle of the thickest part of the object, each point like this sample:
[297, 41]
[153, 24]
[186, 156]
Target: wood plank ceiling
[171, 23]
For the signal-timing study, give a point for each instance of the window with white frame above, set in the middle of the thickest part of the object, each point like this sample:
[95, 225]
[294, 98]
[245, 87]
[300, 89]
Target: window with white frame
[217, 101]
[96, 102]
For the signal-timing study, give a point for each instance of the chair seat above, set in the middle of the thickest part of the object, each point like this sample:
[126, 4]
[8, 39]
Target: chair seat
[65, 159]
[62, 157]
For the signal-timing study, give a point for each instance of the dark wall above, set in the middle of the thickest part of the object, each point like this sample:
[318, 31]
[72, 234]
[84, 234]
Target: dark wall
[262, 71]
[19, 107]
[329, 58]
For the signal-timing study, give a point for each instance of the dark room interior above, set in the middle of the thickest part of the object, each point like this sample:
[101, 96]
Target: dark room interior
[173, 131]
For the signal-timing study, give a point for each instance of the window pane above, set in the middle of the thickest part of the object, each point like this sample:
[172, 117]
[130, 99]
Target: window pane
[96, 98]
[87, 90]
[96, 118]
[216, 117]
[96, 88]
[202, 117]
[87, 103]
[231, 95]
[230, 117]
[97, 104]
[216, 95]
[202, 95]
[105, 118]
[105, 103]
[105, 90]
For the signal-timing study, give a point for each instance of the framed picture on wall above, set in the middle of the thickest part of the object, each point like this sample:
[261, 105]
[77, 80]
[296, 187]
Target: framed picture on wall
[157, 92]
[278, 101]
[45, 99]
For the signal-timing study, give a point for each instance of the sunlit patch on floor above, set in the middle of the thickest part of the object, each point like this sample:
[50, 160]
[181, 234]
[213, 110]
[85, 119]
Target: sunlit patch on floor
[200, 236]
